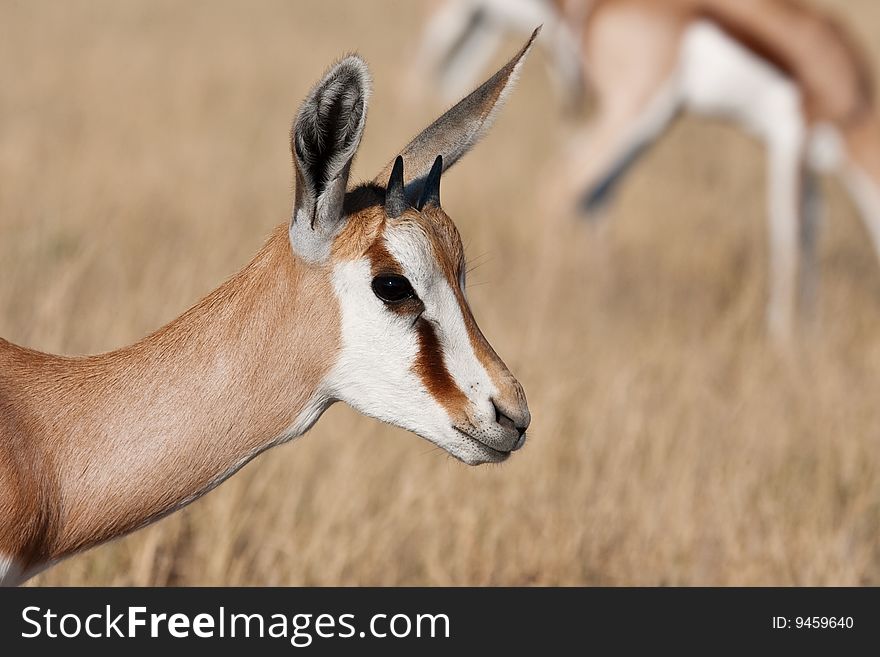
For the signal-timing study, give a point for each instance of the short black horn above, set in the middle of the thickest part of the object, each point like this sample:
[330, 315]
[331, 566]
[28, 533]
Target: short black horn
[431, 191]
[395, 199]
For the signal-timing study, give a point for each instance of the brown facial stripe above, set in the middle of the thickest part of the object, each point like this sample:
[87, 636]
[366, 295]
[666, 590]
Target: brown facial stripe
[431, 369]
[446, 244]
[429, 365]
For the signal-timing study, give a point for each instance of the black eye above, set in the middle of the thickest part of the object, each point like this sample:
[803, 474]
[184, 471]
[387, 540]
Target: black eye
[392, 288]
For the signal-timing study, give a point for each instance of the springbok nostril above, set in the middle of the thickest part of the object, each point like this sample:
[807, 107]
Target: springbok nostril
[521, 439]
[505, 421]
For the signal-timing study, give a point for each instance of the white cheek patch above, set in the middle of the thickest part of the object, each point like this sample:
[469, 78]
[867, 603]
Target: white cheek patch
[374, 371]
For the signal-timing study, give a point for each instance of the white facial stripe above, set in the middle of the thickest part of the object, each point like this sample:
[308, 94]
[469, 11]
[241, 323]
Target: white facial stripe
[411, 248]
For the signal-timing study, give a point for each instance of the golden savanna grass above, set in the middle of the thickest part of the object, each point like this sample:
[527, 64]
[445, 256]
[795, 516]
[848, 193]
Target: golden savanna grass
[144, 158]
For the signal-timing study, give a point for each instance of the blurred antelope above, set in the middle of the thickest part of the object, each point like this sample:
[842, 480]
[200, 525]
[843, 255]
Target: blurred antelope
[359, 298]
[780, 69]
[462, 35]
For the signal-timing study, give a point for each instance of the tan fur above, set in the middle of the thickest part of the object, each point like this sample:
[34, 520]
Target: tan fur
[630, 40]
[356, 237]
[91, 448]
[863, 144]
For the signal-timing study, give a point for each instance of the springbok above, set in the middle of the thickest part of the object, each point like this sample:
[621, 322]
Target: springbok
[359, 298]
[780, 69]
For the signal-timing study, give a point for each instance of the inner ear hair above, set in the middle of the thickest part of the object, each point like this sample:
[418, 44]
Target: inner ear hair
[324, 139]
[328, 128]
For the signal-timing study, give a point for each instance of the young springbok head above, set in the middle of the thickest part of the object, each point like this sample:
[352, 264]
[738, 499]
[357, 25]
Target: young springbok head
[359, 297]
[410, 351]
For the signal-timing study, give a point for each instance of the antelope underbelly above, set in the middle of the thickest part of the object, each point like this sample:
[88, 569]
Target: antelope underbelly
[720, 76]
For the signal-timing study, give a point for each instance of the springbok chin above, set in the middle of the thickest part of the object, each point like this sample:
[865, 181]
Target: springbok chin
[359, 298]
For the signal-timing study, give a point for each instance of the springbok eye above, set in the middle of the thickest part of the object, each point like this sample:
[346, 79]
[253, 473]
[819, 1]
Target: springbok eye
[392, 288]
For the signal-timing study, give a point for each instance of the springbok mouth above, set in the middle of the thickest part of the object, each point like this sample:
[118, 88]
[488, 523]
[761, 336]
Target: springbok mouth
[495, 454]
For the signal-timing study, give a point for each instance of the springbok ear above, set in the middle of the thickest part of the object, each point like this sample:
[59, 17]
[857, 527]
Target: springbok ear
[323, 140]
[456, 132]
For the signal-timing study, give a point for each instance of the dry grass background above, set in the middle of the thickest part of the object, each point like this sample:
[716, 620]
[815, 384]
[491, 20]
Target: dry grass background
[143, 158]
